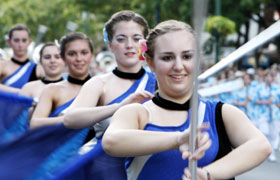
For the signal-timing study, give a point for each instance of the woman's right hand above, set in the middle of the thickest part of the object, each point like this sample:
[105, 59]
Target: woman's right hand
[201, 174]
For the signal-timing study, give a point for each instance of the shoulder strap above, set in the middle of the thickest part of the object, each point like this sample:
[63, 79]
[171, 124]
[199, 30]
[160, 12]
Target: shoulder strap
[33, 76]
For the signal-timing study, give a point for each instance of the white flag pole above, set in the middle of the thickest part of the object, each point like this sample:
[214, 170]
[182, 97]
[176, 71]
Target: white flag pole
[200, 8]
[266, 35]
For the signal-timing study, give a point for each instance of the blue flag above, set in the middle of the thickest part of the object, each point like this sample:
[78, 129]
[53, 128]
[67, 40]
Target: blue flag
[32, 154]
[13, 115]
[39, 153]
[94, 165]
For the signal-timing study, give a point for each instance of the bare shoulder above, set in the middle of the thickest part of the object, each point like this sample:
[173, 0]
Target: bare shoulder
[97, 81]
[234, 118]
[230, 110]
[29, 87]
[103, 77]
[129, 116]
[133, 107]
[96, 84]
[134, 110]
[3, 65]
[32, 84]
[92, 88]
[54, 89]
[130, 110]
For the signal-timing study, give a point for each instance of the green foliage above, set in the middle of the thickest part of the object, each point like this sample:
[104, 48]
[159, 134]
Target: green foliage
[167, 9]
[52, 13]
[221, 25]
[56, 13]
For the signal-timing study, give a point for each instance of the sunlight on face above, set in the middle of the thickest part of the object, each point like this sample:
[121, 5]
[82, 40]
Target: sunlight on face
[173, 62]
[78, 56]
[125, 42]
[20, 42]
[51, 61]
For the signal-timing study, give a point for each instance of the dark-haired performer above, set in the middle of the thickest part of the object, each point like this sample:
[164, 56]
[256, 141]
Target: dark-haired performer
[20, 70]
[53, 66]
[77, 52]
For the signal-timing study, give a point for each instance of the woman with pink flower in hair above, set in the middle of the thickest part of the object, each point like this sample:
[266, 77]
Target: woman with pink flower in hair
[104, 94]
[128, 83]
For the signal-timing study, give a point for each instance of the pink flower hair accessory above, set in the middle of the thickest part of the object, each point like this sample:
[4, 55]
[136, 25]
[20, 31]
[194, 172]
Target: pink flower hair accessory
[143, 48]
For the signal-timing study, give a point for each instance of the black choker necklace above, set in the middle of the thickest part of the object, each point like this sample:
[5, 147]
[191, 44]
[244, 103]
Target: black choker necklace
[78, 81]
[166, 104]
[45, 81]
[19, 62]
[126, 75]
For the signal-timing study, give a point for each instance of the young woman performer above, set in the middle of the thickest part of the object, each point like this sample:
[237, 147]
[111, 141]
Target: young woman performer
[127, 83]
[150, 133]
[77, 52]
[20, 70]
[53, 66]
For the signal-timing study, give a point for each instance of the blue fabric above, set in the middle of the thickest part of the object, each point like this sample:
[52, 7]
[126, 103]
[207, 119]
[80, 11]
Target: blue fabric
[13, 115]
[131, 90]
[151, 84]
[39, 153]
[169, 164]
[61, 108]
[96, 164]
[24, 78]
[32, 154]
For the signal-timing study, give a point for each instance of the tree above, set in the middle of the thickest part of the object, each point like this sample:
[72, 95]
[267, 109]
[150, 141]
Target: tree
[52, 13]
[244, 11]
[56, 13]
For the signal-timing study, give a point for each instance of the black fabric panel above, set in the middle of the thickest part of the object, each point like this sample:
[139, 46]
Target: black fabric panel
[224, 143]
[90, 136]
[33, 76]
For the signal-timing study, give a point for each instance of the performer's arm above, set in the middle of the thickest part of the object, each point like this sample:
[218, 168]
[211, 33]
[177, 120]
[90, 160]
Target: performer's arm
[2, 77]
[250, 146]
[44, 108]
[125, 138]
[8, 88]
[85, 112]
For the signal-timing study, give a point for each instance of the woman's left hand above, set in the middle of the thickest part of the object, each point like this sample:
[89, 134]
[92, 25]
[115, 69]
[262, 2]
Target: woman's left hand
[202, 143]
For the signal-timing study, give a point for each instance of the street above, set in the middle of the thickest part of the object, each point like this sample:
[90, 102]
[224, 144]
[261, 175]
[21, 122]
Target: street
[266, 171]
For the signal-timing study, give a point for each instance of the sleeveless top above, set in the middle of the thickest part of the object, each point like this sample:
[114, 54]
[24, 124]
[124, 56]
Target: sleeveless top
[61, 109]
[104, 163]
[169, 164]
[146, 82]
[21, 76]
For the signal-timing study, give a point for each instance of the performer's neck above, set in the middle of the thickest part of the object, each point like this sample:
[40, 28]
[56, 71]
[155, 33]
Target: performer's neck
[20, 58]
[52, 78]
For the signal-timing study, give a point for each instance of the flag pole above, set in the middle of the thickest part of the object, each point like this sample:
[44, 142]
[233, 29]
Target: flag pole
[200, 9]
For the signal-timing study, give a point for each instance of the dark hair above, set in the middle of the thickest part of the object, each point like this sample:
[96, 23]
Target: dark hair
[19, 27]
[163, 28]
[125, 15]
[72, 36]
[251, 76]
[44, 46]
